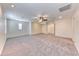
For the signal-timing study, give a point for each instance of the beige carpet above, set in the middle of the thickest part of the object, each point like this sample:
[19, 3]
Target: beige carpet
[39, 45]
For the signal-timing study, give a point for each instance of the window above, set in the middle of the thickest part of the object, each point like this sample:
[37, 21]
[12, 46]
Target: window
[20, 26]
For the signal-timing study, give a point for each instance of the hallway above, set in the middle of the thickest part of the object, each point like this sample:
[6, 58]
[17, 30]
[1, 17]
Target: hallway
[39, 45]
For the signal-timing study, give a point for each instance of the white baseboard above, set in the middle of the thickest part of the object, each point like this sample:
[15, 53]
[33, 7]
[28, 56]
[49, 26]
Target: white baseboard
[15, 35]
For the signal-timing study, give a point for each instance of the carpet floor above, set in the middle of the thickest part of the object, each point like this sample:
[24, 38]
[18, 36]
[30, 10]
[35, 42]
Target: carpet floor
[39, 45]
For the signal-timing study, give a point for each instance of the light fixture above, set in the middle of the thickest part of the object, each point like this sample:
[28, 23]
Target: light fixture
[12, 6]
[40, 20]
[45, 17]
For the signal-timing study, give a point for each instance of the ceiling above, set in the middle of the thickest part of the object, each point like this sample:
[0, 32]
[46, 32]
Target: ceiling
[28, 11]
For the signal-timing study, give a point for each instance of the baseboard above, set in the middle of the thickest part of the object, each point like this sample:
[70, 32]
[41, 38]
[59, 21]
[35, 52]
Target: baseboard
[36, 33]
[15, 36]
[48, 33]
[64, 37]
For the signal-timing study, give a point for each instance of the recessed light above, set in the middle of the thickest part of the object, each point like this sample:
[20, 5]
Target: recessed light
[12, 6]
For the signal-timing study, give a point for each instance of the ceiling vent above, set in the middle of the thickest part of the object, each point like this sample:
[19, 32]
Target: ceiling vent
[65, 8]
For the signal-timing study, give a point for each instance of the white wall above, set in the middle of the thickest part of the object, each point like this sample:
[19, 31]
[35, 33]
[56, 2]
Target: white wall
[2, 31]
[28, 28]
[44, 29]
[63, 28]
[2, 34]
[36, 28]
[76, 29]
[50, 28]
[12, 28]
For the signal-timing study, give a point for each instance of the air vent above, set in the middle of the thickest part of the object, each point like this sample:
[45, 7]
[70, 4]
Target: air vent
[67, 7]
